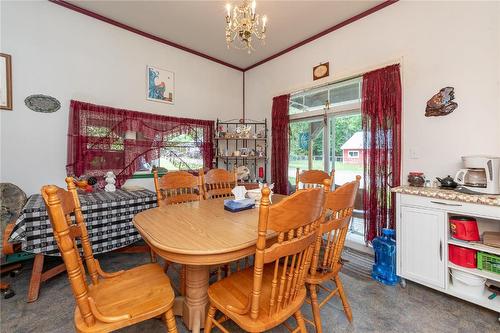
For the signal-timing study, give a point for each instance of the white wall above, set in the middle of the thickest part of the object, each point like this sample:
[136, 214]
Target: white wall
[67, 55]
[64, 54]
[441, 43]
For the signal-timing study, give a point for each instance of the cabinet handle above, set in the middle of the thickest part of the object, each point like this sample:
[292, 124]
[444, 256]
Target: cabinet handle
[441, 250]
[446, 204]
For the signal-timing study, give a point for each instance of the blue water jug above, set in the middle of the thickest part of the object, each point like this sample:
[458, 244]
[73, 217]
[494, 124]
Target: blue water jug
[384, 269]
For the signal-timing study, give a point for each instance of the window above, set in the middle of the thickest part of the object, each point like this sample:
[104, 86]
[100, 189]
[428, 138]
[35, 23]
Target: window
[336, 94]
[180, 151]
[353, 153]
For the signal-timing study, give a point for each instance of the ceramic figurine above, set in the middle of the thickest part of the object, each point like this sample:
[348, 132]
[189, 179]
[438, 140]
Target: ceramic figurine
[243, 152]
[243, 173]
[110, 182]
[243, 131]
[222, 131]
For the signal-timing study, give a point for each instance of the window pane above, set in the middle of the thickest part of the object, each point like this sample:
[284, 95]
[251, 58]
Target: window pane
[306, 147]
[316, 99]
[347, 150]
[181, 151]
[297, 105]
[345, 93]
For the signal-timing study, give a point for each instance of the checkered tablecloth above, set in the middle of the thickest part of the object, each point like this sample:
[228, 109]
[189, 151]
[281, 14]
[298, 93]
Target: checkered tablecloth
[108, 216]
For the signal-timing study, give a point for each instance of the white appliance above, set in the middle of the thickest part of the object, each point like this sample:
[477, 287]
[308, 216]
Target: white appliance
[480, 174]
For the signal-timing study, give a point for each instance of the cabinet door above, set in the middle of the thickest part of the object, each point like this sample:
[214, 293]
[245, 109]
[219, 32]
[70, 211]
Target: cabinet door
[421, 242]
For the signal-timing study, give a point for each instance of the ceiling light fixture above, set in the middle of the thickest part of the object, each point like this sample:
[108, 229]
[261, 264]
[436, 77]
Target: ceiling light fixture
[242, 23]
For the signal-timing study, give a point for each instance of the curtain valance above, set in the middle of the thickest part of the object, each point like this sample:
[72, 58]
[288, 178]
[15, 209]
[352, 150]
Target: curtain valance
[102, 139]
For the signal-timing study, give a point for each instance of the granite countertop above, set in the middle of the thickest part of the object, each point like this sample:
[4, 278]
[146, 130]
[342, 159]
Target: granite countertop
[482, 199]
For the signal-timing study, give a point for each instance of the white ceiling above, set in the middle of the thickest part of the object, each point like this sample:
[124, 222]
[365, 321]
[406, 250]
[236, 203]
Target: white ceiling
[199, 25]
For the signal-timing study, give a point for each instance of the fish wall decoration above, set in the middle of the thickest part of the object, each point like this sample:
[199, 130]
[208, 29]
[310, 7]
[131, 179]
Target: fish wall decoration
[441, 104]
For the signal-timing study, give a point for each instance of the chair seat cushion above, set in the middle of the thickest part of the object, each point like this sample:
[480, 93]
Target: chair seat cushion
[235, 290]
[143, 292]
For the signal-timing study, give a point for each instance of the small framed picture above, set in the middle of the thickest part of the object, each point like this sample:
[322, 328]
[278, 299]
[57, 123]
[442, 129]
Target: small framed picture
[321, 71]
[5, 82]
[160, 85]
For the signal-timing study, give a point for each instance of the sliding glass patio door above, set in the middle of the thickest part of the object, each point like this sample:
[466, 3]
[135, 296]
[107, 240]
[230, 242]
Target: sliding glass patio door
[328, 136]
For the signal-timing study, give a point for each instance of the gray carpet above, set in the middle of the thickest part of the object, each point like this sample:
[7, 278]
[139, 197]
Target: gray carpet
[376, 308]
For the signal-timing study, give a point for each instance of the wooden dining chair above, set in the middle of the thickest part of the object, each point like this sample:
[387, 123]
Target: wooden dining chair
[112, 300]
[326, 263]
[265, 296]
[218, 183]
[178, 187]
[312, 178]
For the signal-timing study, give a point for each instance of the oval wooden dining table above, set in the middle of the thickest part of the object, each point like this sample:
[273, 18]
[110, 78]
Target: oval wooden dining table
[199, 235]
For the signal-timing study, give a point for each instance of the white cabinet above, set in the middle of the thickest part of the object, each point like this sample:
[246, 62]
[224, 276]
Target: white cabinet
[422, 239]
[421, 246]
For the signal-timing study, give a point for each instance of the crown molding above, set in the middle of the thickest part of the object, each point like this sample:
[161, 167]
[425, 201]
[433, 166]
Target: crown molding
[102, 18]
[140, 32]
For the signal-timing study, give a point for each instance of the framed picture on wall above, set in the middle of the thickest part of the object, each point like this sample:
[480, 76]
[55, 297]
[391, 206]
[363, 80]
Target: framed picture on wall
[160, 85]
[321, 71]
[5, 82]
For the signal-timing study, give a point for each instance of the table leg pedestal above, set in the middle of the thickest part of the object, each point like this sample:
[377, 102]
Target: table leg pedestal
[196, 300]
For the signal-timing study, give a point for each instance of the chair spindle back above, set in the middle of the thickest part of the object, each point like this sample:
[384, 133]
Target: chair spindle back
[296, 220]
[61, 204]
[332, 232]
[218, 183]
[312, 178]
[177, 187]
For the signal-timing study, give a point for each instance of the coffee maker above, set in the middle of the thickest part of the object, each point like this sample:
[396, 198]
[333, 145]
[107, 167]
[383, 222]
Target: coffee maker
[481, 174]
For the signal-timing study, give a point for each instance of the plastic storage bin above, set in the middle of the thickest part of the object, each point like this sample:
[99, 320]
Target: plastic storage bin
[464, 228]
[488, 262]
[462, 256]
[467, 284]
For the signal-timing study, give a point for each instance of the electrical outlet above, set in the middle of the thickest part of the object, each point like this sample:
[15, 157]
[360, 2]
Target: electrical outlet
[414, 154]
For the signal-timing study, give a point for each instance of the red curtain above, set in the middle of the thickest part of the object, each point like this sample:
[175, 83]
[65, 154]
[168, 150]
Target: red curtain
[381, 121]
[102, 138]
[279, 156]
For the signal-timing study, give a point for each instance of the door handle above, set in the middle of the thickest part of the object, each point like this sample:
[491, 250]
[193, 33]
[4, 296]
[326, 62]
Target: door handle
[440, 250]
[446, 204]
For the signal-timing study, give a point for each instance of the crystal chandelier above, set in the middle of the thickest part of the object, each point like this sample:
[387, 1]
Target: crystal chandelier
[242, 23]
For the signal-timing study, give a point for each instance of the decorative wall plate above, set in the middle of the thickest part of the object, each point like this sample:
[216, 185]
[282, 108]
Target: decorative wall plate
[321, 71]
[42, 103]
